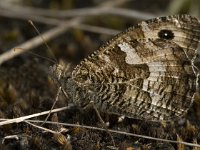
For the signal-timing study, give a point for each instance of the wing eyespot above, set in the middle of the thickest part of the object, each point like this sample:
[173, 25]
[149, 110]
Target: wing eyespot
[166, 34]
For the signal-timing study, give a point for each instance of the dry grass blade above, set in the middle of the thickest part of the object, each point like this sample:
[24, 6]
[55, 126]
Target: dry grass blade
[21, 119]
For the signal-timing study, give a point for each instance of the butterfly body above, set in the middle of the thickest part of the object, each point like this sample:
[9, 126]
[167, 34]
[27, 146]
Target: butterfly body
[146, 72]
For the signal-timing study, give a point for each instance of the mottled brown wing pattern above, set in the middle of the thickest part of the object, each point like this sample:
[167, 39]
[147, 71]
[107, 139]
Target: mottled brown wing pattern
[146, 72]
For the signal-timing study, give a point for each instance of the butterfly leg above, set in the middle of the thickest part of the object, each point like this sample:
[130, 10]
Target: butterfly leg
[104, 125]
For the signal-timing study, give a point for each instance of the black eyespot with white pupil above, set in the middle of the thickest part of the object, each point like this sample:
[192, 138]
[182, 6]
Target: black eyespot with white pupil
[166, 34]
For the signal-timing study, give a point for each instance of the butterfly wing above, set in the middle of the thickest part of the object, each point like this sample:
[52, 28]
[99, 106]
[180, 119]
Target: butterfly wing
[146, 72]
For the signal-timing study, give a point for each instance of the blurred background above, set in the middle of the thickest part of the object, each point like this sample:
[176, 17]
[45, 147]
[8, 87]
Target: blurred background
[73, 29]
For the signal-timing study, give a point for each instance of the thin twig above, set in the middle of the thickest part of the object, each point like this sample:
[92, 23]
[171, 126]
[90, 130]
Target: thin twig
[119, 132]
[20, 119]
[42, 128]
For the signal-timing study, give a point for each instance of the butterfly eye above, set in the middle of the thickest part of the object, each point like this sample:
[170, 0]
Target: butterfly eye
[166, 34]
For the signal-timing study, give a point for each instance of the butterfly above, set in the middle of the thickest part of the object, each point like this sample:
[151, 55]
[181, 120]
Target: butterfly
[147, 72]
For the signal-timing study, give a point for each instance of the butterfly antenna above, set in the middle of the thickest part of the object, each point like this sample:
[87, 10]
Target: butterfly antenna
[32, 53]
[48, 48]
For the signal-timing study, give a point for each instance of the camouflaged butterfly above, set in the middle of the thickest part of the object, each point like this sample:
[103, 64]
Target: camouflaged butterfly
[146, 72]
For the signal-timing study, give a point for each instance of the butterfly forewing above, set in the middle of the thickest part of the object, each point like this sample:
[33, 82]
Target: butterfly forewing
[146, 72]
